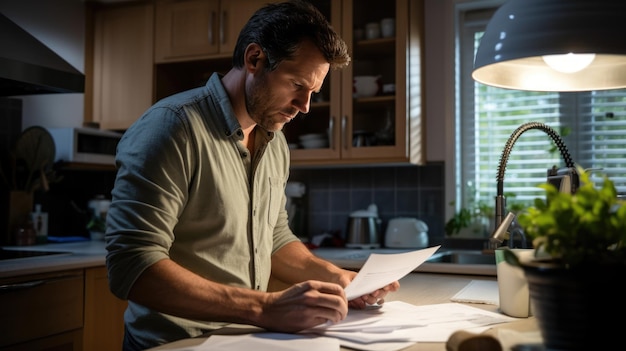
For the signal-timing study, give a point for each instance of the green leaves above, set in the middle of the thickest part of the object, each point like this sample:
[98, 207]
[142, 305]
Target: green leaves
[588, 226]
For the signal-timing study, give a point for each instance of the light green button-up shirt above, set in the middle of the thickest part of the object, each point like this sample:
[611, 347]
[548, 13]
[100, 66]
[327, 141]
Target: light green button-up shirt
[188, 189]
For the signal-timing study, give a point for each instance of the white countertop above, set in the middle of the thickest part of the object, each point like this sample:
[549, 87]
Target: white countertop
[81, 254]
[92, 253]
[415, 288]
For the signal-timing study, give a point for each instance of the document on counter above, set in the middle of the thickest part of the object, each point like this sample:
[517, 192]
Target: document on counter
[399, 324]
[266, 342]
[382, 269]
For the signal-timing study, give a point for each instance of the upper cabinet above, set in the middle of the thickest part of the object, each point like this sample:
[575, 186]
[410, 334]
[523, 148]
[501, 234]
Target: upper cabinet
[197, 29]
[149, 50]
[379, 119]
[121, 83]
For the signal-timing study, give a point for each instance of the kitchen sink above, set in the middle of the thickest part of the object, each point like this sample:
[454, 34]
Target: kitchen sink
[446, 260]
[463, 257]
[9, 254]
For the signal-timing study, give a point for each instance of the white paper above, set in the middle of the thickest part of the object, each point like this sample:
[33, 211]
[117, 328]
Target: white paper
[429, 323]
[479, 291]
[268, 342]
[382, 269]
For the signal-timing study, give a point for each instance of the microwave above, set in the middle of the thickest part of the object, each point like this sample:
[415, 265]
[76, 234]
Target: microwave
[85, 145]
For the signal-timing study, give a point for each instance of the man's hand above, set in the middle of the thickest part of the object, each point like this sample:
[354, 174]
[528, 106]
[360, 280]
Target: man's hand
[304, 305]
[376, 297]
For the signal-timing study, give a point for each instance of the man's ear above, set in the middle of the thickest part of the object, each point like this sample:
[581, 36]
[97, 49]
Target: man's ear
[254, 58]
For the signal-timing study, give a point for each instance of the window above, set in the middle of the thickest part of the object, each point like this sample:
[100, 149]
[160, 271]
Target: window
[592, 125]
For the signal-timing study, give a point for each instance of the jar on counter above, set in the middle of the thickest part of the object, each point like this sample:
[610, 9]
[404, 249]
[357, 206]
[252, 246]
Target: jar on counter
[25, 234]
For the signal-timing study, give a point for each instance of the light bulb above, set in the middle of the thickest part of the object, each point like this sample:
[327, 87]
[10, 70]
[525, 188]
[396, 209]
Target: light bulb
[569, 63]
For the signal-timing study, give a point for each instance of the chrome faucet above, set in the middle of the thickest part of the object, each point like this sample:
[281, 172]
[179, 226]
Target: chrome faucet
[502, 224]
[508, 230]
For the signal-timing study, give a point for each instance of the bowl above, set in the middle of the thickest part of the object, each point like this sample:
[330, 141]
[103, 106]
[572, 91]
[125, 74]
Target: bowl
[366, 86]
[314, 143]
[312, 136]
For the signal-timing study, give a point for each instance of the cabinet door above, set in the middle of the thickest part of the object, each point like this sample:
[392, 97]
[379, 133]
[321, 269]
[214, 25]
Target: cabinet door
[122, 64]
[197, 29]
[104, 313]
[325, 121]
[70, 341]
[46, 307]
[386, 127]
[186, 29]
[233, 16]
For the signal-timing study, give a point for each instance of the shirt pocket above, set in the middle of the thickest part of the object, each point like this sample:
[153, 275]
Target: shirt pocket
[275, 199]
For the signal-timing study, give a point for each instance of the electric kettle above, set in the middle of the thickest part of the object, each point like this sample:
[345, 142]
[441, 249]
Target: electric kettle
[363, 229]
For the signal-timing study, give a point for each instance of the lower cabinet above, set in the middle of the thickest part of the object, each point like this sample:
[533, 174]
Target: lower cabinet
[62, 311]
[103, 327]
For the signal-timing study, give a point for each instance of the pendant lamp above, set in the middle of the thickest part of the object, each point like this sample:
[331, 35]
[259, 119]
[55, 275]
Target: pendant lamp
[554, 45]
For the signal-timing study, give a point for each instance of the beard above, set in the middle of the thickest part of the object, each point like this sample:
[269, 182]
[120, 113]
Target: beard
[259, 102]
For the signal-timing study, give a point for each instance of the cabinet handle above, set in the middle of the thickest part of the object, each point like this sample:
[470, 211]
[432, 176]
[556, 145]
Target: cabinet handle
[7, 288]
[211, 22]
[331, 132]
[222, 32]
[344, 134]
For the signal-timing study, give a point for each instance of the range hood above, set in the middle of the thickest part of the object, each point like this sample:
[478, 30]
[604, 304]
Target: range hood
[28, 67]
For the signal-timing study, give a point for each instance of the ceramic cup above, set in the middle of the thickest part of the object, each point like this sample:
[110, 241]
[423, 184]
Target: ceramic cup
[388, 27]
[512, 284]
[372, 30]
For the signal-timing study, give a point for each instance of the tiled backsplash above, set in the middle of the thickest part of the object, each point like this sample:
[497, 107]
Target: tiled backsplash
[398, 191]
[331, 195]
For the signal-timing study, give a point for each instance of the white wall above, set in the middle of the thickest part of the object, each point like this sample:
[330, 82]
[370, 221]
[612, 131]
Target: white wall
[440, 89]
[60, 25]
[439, 77]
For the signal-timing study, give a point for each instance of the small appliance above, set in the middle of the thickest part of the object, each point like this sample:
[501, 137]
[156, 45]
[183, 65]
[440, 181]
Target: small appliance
[363, 229]
[85, 145]
[406, 232]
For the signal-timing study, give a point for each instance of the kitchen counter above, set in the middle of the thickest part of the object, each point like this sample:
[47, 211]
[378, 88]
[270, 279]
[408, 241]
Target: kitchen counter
[83, 254]
[431, 283]
[92, 253]
[415, 288]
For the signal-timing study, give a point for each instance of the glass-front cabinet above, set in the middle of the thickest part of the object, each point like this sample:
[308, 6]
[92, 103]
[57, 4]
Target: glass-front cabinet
[371, 111]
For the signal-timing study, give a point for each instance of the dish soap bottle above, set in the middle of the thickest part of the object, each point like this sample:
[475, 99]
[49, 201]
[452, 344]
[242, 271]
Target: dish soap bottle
[40, 224]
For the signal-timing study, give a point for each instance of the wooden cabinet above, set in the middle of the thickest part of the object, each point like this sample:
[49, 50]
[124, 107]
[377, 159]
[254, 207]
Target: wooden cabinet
[122, 65]
[103, 329]
[387, 127]
[195, 38]
[42, 311]
[199, 29]
[62, 311]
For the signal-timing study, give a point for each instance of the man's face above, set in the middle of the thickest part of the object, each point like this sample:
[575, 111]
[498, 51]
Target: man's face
[275, 98]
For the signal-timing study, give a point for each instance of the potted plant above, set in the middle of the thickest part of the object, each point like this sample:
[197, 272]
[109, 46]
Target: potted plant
[579, 266]
[96, 227]
[472, 220]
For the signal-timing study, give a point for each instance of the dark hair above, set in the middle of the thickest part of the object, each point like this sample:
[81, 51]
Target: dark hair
[279, 29]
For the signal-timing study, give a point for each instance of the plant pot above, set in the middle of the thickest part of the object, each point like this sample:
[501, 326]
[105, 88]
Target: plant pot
[577, 309]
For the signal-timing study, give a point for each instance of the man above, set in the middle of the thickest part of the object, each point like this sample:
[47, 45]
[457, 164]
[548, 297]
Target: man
[197, 222]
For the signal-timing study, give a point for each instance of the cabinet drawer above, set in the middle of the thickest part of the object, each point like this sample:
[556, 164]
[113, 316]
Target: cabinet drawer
[42, 305]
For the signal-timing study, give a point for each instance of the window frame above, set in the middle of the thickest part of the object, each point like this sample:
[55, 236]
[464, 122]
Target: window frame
[475, 14]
